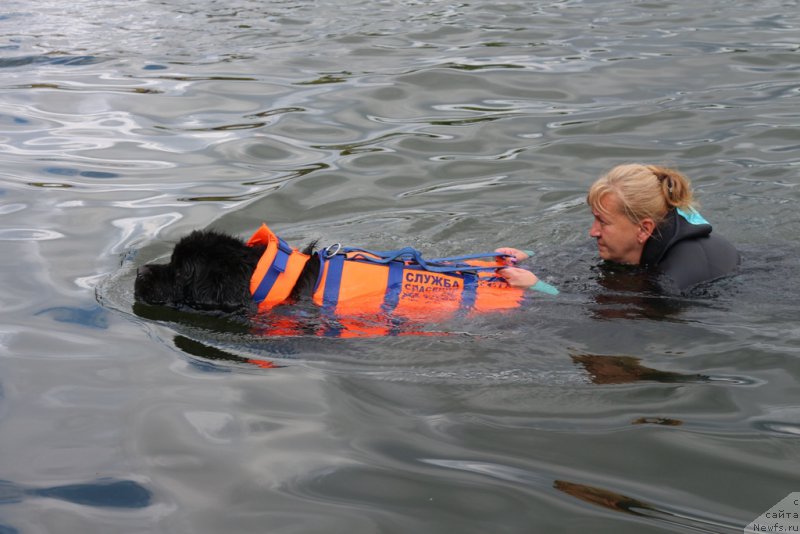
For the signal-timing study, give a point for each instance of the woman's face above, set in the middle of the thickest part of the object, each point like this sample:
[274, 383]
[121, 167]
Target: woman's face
[618, 238]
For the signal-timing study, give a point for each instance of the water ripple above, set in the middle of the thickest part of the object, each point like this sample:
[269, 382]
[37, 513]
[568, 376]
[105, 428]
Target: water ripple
[49, 59]
[28, 234]
[450, 127]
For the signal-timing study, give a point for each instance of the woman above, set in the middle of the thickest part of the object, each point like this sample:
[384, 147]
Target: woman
[644, 215]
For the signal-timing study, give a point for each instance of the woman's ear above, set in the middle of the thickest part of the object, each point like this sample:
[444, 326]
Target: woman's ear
[646, 228]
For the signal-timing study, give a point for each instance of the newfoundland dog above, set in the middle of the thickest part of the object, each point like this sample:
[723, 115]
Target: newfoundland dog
[211, 271]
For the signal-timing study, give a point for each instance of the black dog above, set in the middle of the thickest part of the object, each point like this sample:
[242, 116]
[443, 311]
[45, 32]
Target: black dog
[211, 271]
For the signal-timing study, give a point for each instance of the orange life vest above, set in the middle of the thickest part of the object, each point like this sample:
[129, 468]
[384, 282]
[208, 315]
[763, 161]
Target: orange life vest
[351, 284]
[277, 271]
[354, 288]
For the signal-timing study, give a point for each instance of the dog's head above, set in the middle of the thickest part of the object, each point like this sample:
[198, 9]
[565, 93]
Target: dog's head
[207, 271]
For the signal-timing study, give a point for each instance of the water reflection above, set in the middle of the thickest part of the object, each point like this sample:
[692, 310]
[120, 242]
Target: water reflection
[627, 369]
[100, 493]
[206, 321]
[95, 317]
[628, 292]
[21, 61]
[618, 502]
[663, 421]
[605, 498]
[208, 354]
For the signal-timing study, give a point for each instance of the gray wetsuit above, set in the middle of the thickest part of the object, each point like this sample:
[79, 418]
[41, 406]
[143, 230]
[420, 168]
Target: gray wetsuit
[684, 250]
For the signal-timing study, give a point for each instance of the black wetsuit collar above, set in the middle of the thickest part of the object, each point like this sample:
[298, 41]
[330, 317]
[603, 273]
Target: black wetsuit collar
[672, 229]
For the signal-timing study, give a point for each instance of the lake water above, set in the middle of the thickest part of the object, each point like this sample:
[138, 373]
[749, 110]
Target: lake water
[451, 127]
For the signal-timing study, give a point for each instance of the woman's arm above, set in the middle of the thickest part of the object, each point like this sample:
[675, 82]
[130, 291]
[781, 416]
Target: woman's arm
[525, 279]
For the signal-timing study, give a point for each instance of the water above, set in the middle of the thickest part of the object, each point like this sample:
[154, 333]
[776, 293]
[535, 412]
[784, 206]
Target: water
[446, 126]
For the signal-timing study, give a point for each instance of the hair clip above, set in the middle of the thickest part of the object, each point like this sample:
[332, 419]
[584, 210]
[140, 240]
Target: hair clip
[662, 177]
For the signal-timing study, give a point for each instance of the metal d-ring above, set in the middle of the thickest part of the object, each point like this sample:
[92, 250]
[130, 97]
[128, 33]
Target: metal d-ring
[336, 247]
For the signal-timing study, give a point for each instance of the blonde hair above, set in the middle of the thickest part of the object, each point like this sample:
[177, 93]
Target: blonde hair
[643, 191]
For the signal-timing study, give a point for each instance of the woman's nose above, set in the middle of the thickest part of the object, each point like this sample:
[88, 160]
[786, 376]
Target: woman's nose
[594, 230]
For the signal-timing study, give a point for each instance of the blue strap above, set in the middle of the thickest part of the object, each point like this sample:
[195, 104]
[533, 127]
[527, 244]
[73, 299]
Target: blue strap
[330, 295]
[409, 254]
[284, 246]
[275, 270]
[393, 286]
[385, 256]
[469, 292]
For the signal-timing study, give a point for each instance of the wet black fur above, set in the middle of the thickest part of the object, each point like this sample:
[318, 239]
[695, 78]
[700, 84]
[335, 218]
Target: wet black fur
[211, 271]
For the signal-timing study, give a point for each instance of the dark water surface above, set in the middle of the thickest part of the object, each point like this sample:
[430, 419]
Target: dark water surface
[451, 127]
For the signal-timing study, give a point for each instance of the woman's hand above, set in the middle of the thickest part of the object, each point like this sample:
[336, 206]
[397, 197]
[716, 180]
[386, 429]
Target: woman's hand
[517, 277]
[516, 254]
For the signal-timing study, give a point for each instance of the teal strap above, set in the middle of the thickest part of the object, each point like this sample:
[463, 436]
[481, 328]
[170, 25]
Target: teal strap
[544, 287]
[528, 252]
